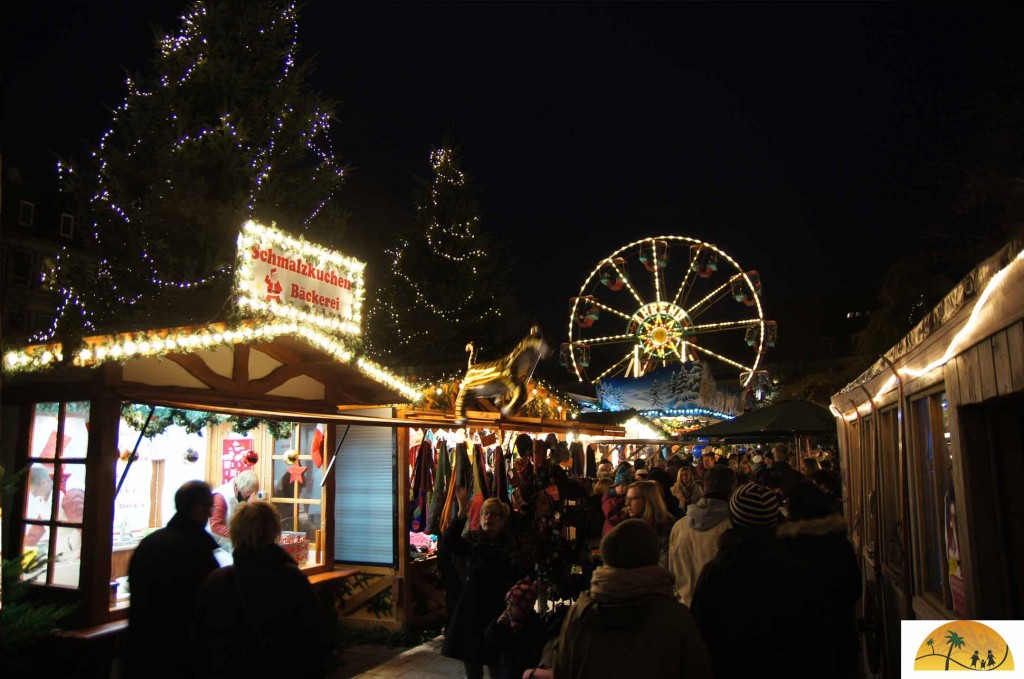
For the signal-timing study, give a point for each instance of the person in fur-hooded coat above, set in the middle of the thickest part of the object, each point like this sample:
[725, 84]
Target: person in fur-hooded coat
[818, 537]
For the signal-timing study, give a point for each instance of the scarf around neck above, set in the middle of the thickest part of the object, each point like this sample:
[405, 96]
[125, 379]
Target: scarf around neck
[608, 582]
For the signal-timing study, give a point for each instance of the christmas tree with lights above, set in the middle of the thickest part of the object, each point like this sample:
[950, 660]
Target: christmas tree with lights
[224, 129]
[446, 283]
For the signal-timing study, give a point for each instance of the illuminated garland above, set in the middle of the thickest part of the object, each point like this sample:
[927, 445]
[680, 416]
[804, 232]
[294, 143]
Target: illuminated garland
[156, 343]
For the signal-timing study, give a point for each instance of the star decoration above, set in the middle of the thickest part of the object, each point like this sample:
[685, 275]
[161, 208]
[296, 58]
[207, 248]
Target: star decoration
[297, 473]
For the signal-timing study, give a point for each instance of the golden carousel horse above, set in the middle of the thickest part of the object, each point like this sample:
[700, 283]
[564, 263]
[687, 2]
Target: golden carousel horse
[505, 378]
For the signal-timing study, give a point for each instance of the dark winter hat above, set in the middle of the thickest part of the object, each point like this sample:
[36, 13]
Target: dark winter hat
[805, 501]
[631, 544]
[662, 477]
[524, 445]
[719, 482]
[754, 506]
[624, 474]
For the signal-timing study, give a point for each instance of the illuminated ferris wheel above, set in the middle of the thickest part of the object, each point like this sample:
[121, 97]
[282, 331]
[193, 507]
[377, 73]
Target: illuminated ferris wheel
[665, 300]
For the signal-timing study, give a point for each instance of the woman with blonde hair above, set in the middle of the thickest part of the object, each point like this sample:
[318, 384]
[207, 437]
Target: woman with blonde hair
[248, 611]
[686, 488]
[644, 502]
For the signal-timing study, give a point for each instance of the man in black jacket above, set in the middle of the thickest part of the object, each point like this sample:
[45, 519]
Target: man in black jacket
[164, 576]
[738, 624]
[787, 475]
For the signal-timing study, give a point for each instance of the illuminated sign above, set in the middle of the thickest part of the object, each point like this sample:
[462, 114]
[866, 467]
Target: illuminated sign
[282, 276]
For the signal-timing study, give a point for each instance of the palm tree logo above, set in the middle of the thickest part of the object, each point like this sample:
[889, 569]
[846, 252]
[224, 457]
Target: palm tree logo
[955, 641]
[955, 636]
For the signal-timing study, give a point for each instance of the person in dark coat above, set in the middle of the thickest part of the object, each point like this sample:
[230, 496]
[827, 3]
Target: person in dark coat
[742, 628]
[165, 573]
[489, 573]
[629, 624]
[257, 616]
[817, 537]
[787, 475]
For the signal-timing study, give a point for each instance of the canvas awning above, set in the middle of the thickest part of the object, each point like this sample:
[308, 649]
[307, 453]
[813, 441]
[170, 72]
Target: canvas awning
[777, 422]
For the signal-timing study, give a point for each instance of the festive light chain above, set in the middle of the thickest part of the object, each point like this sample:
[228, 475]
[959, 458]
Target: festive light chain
[671, 412]
[191, 33]
[162, 342]
[256, 234]
[443, 162]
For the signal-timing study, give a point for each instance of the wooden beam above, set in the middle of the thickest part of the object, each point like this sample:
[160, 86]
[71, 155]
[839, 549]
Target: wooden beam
[277, 377]
[197, 368]
[360, 598]
[278, 353]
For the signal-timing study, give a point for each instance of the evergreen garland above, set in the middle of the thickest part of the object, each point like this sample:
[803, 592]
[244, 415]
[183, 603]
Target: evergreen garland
[194, 421]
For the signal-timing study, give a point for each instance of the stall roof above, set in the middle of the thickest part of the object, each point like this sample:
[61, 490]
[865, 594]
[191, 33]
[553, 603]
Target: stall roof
[778, 421]
[304, 350]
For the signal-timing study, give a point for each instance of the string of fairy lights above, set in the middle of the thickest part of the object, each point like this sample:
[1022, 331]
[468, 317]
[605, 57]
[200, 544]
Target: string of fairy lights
[454, 243]
[253, 233]
[156, 343]
[182, 57]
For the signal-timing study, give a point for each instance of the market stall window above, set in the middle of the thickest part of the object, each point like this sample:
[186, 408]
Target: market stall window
[298, 464]
[55, 493]
[240, 457]
[939, 545]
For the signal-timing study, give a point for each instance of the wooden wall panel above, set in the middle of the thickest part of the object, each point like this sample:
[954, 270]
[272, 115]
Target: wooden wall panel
[1001, 363]
[1015, 344]
[951, 373]
[986, 369]
[970, 377]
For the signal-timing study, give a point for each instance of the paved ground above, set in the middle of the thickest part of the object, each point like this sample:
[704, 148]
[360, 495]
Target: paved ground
[381, 662]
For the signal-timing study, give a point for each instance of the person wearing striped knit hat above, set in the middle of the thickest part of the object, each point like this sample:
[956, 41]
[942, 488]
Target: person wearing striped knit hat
[742, 624]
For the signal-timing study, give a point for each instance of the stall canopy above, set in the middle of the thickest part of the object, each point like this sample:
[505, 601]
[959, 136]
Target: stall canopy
[777, 422]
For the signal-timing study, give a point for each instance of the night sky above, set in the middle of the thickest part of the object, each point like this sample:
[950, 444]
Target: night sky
[796, 137]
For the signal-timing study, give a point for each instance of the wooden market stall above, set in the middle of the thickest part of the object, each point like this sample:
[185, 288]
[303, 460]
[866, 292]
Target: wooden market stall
[250, 398]
[410, 590]
[112, 427]
[933, 461]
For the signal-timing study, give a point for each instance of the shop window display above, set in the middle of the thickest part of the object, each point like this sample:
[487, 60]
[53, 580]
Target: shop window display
[298, 465]
[181, 446]
[55, 493]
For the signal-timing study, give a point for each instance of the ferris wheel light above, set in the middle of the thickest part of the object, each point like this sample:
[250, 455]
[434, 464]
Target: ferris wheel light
[662, 324]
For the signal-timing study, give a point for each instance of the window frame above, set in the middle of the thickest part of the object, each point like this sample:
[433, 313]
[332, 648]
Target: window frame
[930, 480]
[891, 545]
[69, 219]
[59, 462]
[29, 208]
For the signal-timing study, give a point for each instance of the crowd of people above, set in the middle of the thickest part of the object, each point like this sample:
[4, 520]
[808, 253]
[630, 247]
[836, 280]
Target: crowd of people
[717, 566]
[712, 566]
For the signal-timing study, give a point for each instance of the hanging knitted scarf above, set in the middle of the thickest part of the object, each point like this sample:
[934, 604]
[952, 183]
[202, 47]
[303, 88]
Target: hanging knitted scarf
[441, 486]
[422, 486]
